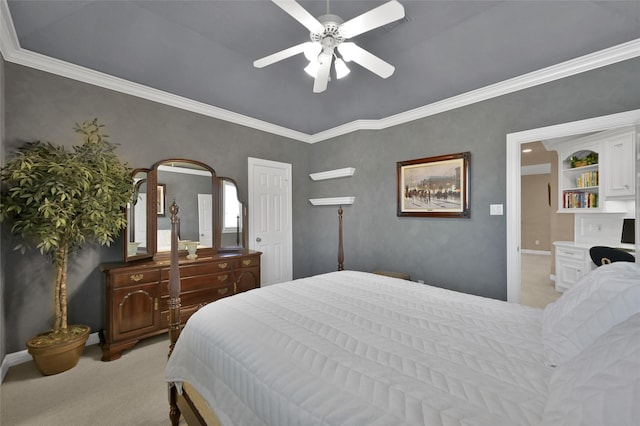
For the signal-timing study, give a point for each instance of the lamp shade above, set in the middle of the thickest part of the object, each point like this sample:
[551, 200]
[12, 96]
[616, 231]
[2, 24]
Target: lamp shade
[341, 68]
[312, 68]
[312, 50]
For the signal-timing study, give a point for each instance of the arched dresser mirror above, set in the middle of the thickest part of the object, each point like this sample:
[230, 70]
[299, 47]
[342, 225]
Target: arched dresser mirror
[135, 236]
[233, 216]
[212, 217]
[192, 185]
[214, 261]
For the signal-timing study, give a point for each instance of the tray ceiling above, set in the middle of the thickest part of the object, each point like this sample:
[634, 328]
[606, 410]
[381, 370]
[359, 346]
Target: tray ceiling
[203, 51]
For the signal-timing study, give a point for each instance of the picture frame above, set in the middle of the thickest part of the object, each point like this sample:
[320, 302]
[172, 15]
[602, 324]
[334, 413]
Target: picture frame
[161, 199]
[434, 186]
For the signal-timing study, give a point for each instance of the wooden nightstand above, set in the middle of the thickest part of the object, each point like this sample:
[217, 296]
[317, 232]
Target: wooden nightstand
[400, 275]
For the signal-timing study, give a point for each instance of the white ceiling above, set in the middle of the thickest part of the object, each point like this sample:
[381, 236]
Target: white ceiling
[199, 54]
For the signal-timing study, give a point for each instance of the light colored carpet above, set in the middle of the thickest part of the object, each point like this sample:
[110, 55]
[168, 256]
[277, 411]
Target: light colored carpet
[127, 391]
[537, 289]
[132, 391]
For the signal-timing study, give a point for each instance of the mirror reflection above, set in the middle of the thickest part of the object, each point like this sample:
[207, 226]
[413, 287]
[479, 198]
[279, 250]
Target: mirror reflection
[232, 215]
[191, 187]
[137, 217]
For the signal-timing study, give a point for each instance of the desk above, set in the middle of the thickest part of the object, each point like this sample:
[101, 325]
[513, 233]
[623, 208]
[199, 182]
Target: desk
[573, 261]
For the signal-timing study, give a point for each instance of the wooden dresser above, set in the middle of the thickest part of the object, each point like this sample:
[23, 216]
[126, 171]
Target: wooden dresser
[137, 296]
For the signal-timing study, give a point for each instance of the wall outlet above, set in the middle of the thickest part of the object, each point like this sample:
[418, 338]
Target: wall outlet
[537, 242]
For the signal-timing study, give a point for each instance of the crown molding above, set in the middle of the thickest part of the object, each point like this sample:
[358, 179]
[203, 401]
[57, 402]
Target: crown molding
[12, 52]
[612, 55]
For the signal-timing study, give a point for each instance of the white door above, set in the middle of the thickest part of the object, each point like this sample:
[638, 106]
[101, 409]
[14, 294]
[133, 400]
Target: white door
[205, 224]
[270, 218]
[140, 221]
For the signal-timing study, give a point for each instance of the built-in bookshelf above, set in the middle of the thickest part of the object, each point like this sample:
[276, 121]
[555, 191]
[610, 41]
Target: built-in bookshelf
[581, 186]
[596, 173]
[580, 180]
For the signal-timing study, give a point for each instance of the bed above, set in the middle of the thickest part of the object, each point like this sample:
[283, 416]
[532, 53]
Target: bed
[354, 348]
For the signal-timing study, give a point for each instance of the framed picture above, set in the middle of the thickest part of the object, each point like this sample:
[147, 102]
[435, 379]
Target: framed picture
[160, 208]
[434, 186]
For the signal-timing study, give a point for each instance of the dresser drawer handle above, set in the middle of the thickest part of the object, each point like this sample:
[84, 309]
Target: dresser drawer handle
[222, 291]
[246, 262]
[222, 277]
[222, 265]
[136, 277]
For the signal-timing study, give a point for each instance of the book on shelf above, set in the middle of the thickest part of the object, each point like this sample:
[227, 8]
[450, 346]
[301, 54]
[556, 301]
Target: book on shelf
[587, 179]
[579, 200]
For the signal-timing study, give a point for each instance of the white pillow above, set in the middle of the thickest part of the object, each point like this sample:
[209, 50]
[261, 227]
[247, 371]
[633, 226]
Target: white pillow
[598, 301]
[601, 386]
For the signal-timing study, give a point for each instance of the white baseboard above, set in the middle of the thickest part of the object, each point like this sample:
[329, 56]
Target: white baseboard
[17, 358]
[543, 252]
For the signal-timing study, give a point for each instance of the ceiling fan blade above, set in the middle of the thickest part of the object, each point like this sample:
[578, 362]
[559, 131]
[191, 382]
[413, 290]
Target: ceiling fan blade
[322, 78]
[353, 52]
[300, 14]
[381, 15]
[278, 56]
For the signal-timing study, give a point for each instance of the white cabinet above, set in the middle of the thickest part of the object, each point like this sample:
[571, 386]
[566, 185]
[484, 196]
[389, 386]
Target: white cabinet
[596, 173]
[620, 164]
[572, 263]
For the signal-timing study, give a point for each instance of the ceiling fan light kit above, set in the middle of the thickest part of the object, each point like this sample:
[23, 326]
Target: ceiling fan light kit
[328, 34]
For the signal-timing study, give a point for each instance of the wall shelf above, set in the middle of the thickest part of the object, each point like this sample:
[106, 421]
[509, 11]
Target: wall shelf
[334, 201]
[333, 174]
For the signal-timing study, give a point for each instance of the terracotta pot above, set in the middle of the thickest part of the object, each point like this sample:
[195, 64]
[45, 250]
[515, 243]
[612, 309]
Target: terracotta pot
[56, 351]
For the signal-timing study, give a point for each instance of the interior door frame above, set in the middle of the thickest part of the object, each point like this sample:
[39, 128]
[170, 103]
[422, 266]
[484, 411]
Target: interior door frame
[514, 140]
[287, 263]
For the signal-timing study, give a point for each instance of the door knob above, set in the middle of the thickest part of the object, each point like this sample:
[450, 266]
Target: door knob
[258, 239]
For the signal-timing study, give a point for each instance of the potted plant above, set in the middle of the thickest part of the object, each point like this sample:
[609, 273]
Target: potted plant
[58, 199]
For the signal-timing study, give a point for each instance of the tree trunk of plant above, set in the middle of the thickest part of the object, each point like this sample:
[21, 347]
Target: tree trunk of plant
[61, 289]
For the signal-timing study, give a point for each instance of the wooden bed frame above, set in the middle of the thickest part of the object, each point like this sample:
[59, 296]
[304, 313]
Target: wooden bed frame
[189, 404]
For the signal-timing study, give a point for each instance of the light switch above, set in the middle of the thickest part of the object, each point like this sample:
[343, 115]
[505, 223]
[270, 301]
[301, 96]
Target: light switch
[495, 209]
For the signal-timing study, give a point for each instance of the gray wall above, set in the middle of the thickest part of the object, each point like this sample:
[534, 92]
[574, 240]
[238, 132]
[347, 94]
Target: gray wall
[44, 106]
[465, 254]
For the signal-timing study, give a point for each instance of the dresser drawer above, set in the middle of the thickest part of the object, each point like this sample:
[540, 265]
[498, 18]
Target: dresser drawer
[185, 314]
[200, 282]
[579, 254]
[200, 298]
[135, 277]
[203, 269]
[250, 262]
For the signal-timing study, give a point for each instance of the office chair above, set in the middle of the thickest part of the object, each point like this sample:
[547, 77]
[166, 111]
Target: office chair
[602, 255]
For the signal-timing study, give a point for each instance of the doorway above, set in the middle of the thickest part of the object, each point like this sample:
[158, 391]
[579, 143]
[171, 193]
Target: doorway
[270, 218]
[539, 220]
[513, 199]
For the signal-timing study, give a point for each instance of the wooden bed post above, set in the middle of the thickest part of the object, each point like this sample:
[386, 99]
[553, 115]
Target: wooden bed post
[340, 248]
[174, 308]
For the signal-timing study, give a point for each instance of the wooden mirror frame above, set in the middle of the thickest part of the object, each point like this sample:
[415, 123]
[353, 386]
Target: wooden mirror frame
[243, 238]
[152, 209]
[126, 234]
[217, 184]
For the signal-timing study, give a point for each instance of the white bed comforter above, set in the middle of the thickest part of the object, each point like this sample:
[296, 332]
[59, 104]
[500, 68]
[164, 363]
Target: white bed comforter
[353, 348]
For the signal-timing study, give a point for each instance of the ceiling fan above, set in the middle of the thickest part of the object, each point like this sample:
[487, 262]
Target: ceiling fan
[328, 34]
